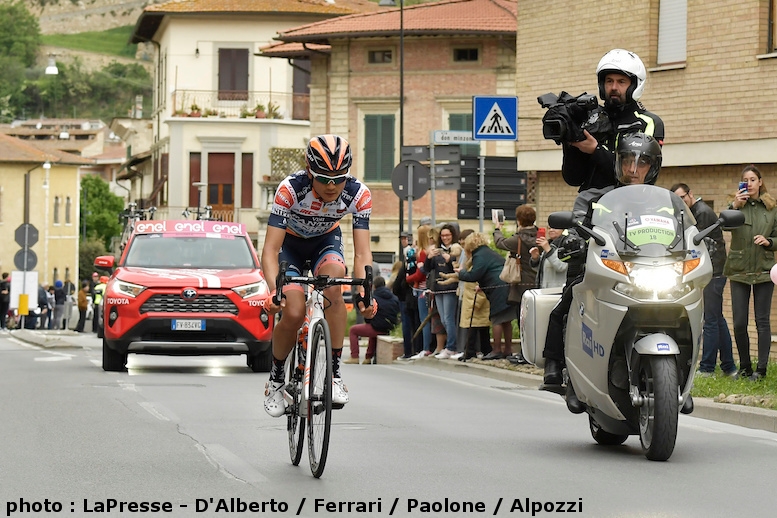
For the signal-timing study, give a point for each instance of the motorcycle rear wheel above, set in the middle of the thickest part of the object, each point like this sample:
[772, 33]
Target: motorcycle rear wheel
[659, 412]
[602, 437]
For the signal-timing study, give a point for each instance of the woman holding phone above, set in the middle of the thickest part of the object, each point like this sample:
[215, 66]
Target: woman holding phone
[750, 259]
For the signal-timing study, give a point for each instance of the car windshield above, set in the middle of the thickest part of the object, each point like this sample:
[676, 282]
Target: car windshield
[644, 220]
[157, 251]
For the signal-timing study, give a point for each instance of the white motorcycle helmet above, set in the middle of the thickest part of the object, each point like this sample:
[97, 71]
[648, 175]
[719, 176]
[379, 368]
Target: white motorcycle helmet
[626, 63]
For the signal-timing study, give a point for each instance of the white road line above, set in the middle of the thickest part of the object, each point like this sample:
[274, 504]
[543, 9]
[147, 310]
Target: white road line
[149, 407]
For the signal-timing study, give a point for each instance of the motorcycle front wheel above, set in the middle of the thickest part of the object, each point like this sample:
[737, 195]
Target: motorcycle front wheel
[659, 412]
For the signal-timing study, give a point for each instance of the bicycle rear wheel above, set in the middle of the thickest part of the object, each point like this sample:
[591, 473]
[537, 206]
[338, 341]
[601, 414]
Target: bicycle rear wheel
[295, 422]
[320, 397]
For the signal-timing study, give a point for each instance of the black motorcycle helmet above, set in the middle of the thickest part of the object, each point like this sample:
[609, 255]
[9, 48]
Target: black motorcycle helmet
[637, 156]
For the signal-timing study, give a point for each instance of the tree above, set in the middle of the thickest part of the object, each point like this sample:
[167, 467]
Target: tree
[19, 33]
[100, 210]
[87, 251]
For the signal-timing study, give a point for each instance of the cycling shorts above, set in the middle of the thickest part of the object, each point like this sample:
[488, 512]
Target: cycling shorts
[314, 252]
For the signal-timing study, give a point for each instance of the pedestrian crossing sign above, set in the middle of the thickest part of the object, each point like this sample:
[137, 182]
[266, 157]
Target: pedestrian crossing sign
[495, 118]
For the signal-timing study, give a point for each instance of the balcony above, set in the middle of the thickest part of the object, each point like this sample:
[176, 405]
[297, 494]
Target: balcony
[240, 104]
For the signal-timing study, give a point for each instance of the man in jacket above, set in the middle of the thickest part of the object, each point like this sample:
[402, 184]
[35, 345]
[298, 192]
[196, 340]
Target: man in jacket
[621, 77]
[5, 298]
[717, 336]
[385, 319]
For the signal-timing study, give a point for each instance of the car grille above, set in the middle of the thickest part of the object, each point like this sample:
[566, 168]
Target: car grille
[166, 303]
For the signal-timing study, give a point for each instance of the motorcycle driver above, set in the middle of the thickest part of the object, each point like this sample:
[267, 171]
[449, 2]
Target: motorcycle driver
[621, 77]
[637, 161]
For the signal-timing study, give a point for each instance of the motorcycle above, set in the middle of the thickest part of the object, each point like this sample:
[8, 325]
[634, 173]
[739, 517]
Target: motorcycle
[635, 324]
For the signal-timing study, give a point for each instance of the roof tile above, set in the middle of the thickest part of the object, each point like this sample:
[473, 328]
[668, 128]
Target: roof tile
[445, 17]
[260, 6]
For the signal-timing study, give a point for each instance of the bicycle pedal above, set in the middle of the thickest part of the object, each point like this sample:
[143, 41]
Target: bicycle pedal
[337, 406]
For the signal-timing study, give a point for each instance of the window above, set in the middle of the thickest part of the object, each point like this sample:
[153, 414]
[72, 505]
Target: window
[465, 54]
[233, 74]
[378, 147]
[772, 36]
[379, 56]
[463, 122]
[57, 204]
[672, 25]
[68, 210]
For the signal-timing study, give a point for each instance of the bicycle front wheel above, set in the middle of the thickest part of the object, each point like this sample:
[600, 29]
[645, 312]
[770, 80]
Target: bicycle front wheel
[320, 397]
[295, 422]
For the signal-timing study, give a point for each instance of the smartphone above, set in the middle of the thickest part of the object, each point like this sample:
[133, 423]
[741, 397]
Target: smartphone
[541, 232]
[498, 216]
[742, 185]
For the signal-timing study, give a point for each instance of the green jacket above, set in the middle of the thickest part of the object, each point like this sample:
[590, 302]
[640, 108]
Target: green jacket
[747, 262]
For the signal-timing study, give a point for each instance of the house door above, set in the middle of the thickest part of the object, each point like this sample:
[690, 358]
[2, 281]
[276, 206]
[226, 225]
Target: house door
[221, 182]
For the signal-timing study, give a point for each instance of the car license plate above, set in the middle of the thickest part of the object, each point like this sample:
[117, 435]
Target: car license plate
[188, 325]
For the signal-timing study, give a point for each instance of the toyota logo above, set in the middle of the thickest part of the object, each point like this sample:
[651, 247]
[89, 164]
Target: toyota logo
[189, 294]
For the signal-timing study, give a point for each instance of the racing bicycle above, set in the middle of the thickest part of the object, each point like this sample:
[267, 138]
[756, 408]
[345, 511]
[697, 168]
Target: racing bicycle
[308, 392]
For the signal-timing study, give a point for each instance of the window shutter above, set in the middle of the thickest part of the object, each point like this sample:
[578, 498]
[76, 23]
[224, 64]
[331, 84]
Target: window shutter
[378, 147]
[233, 74]
[672, 28]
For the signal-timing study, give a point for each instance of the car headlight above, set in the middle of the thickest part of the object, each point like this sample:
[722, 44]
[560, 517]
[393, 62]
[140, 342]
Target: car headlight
[252, 290]
[127, 288]
[655, 282]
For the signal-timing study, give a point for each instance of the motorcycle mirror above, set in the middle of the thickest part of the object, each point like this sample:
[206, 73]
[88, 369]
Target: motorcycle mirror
[728, 219]
[561, 220]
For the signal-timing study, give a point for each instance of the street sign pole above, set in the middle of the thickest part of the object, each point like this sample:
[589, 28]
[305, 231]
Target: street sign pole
[410, 196]
[481, 190]
[432, 177]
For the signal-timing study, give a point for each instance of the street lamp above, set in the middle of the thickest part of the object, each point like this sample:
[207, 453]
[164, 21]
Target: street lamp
[392, 3]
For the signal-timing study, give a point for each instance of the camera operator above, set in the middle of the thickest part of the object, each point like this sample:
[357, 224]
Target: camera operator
[590, 163]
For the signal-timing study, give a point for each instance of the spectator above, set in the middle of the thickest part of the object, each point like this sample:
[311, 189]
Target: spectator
[385, 319]
[440, 257]
[749, 261]
[551, 271]
[716, 334]
[97, 293]
[486, 267]
[5, 299]
[519, 245]
[416, 277]
[474, 324]
[51, 299]
[408, 309]
[60, 297]
[83, 304]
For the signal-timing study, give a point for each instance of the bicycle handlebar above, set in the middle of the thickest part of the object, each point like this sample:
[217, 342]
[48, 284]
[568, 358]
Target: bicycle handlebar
[320, 282]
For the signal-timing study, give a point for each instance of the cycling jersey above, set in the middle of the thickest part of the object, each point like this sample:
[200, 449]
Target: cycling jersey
[299, 211]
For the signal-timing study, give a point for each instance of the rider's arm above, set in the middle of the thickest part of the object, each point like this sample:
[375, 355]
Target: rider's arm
[273, 241]
[362, 254]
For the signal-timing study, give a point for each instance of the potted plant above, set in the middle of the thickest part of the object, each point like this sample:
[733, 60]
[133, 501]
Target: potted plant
[195, 111]
[210, 112]
[259, 111]
[273, 110]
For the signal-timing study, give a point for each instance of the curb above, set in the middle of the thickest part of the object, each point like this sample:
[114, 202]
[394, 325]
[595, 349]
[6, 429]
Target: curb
[704, 408]
[46, 339]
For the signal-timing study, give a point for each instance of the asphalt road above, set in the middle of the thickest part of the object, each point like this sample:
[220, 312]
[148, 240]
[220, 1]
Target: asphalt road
[190, 431]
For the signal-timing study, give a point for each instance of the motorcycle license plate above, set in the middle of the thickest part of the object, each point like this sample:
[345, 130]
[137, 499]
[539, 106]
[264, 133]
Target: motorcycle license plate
[188, 325]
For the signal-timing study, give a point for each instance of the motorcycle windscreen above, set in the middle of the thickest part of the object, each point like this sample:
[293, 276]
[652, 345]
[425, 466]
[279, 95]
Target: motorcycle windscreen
[643, 219]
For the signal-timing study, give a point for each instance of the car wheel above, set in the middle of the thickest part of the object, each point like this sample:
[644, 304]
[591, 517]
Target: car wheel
[261, 362]
[113, 361]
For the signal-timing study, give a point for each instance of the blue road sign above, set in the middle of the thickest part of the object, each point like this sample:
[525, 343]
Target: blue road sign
[495, 118]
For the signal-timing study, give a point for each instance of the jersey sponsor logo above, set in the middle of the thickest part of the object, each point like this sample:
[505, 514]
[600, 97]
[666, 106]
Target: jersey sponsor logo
[365, 202]
[283, 197]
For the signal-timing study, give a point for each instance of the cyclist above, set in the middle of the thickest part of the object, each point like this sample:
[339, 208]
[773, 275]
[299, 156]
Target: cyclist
[304, 228]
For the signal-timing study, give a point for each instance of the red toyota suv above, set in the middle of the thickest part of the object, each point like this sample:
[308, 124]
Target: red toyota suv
[186, 288]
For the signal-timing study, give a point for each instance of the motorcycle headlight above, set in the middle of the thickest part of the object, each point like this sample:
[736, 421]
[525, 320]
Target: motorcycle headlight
[655, 282]
[251, 290]
[127, 288]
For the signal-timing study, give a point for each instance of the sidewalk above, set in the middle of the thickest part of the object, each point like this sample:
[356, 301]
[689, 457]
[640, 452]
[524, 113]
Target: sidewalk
[526, 375]
[531, 376]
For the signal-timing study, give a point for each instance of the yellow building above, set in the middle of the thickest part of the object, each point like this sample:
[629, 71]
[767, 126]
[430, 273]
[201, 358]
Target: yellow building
[52, 206]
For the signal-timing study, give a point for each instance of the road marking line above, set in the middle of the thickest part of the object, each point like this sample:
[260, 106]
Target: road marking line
[149, 407]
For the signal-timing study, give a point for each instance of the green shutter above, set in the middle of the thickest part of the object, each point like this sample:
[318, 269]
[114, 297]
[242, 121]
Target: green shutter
[463, 122]
[378, 147]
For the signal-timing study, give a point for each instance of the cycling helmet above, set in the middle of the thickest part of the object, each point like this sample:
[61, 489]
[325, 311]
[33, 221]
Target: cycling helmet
[327, 154]
[640, 149]
[626, 63]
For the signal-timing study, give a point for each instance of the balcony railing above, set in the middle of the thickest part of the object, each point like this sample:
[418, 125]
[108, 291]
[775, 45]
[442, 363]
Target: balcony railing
[240, 104]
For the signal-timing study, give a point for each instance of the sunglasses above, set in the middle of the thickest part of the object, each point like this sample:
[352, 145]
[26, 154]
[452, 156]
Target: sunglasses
[326, 179]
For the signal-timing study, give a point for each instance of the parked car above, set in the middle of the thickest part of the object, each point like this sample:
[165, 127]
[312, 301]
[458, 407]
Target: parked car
[186, 288]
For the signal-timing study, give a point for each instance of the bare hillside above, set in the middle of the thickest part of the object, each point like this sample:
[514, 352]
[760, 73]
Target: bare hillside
[73, 16]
